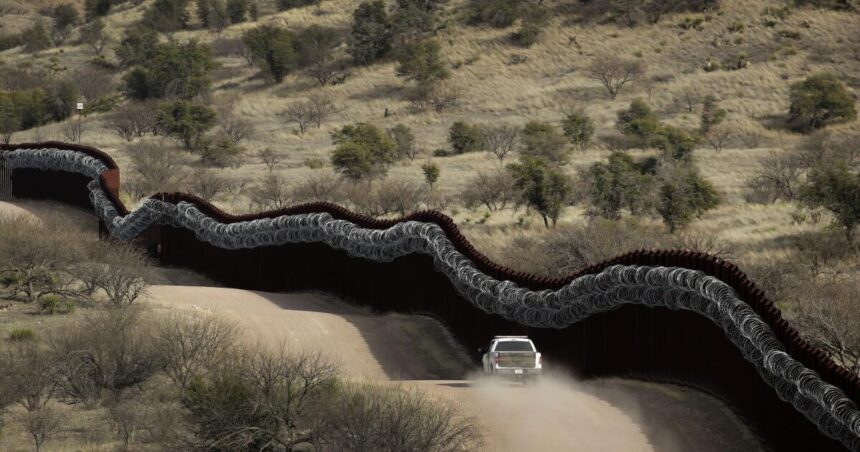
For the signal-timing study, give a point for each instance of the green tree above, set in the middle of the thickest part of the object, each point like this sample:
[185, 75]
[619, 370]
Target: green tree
[175, 70]
[186, 122]
[675, 143]
[421, 61]
[835, 188]
[362, 150]
[237, 10]
[167, 16]
[413, 21]
[818, 101]
[639, 121]
[619, 184]
[370, 35]
[496, 13]
[712, 114]
[685, 196]
[38, 38]
[10, 119]
[94, 9]
[65, 17]
[61, 99]
[542, 187]
[284, 5]
[137, 47]
[404, 141]
[315, 47]
[272, 50]
[543, 140]
[464, 137]
[431, 173]
[93, 34]
[578, 128]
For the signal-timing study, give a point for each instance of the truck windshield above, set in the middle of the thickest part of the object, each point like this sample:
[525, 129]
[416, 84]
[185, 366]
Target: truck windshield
[514, 346]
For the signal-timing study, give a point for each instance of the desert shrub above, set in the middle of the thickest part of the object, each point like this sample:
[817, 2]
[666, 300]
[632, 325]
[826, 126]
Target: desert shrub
[22, 334]
[614, 72]
[185, 121]
[192, 344]
[383, 418]
[134, 119]
[94, 9]
[495, 189]
[826, 314]
[118, 269]
[496, 13]
[235, 127]
[544, 141]
[284, 5]
[370, 35]
[675, 143]
[421, 61]
[500, 140]
[404, 141]
[270, 193]
[237, 10]
[213, 14]
[362, 150]
[620, 183]
[639, 121]
[220, 151]
[396, 195]
[464, 137]
[534, 19]
[578, 128]
[542, 187]
[52, 304]
[156, 167]
[167, 15]
[107, 350]
[780, 176]
[818, 101]
[272, 50]
[320, 186]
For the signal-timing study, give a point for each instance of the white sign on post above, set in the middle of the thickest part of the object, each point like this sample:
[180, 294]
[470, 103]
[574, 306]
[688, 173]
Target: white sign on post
[80, 105]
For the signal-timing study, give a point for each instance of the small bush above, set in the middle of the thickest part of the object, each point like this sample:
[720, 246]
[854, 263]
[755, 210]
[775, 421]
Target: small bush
[22, 334]
[50, 305]
[818, 101]
[441, 152]
[465, 137]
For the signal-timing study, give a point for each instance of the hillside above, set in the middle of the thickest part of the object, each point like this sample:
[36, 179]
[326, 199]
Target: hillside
[789, 248]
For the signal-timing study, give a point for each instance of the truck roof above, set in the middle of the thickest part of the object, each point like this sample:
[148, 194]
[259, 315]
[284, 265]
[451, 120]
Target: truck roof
[512, 337]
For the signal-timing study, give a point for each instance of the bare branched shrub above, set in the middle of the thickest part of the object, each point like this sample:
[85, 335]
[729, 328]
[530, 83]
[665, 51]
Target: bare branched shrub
[109, 349]
[301, 113]
[264, 400]
[501, 140]
[779, 177]
[320, 186]
[439, 97]
[719, 136]
[117, 269]
[322, 107]
[271, 193]
[270, 158]
[134, 119]
[400, 195]
[93, 83]
[191, 344]
[127, 417]
[828, 315]
[688, 97]
[209, 184]
[37, 261]
[494, 189]
[614, 72]
[237, 129]
[27, 373]
[385, 418]
[157, 166]
[73, 130]
[40, 424]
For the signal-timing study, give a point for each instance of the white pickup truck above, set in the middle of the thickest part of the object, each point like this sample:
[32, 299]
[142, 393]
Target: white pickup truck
[514, 356]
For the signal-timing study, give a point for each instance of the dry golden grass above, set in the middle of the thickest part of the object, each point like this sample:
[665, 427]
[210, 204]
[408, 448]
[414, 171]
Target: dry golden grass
[552, 80]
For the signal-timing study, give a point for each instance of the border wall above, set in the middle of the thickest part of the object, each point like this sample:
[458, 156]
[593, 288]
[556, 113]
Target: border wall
[652, 343]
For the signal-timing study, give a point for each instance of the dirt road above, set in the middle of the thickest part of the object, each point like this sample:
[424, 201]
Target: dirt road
[558, 414]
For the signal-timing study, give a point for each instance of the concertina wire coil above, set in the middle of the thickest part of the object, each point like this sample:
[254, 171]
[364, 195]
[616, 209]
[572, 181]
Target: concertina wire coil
[669, 287]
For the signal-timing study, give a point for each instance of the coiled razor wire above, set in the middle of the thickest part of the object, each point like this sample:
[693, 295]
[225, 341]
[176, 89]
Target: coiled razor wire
[674, 288]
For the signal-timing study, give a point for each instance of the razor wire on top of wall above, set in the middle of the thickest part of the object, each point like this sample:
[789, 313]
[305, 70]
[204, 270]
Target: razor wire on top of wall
[674, 288]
